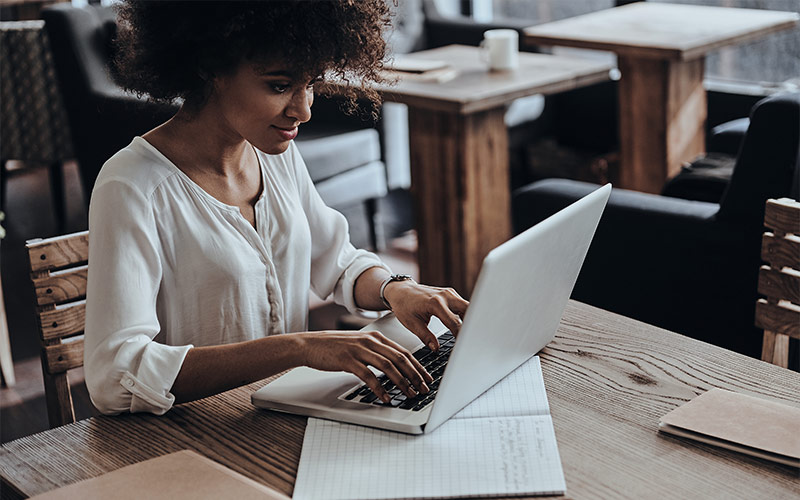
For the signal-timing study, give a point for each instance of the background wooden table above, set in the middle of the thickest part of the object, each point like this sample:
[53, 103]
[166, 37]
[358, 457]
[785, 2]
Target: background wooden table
[608, 378]
[459, 153]
[661, 52]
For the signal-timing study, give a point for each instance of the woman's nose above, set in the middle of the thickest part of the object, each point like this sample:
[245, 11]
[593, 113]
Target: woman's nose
[299, 107]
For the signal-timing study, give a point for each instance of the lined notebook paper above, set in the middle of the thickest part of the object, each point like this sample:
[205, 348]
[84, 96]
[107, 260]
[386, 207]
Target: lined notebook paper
[501, 444]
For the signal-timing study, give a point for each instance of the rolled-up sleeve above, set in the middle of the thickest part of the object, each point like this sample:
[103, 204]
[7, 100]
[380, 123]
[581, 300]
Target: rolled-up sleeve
[126, 370]
[335, 262]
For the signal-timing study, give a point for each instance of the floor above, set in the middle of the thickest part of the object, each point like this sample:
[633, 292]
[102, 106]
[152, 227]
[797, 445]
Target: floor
[29, 214]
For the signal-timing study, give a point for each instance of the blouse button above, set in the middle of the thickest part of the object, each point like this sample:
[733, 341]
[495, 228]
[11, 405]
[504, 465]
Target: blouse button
[128, 382]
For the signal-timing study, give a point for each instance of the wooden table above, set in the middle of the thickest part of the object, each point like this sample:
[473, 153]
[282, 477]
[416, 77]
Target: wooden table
[661, 52]
[608, 380]
[459, 153]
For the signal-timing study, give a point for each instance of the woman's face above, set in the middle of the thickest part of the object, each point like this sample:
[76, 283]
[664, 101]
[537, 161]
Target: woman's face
[263, 104]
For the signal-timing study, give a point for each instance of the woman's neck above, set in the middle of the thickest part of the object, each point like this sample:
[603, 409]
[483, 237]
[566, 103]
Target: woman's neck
[198, 142]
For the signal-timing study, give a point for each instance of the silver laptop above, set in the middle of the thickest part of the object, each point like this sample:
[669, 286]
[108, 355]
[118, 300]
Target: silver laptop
[516, 306]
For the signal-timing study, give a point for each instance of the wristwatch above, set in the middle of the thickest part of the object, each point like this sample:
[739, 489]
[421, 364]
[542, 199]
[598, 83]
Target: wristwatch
[390, 279]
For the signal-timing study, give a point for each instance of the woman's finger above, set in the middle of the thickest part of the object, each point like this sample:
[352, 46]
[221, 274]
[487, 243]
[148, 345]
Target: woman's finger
[457, 303]
[409, 365]
[369, 378]
[384, 364]
[449, 318]
[420, 328]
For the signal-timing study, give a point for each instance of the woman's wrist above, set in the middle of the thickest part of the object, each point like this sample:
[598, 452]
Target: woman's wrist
[396, 289]
[299, 348]
[394, 278]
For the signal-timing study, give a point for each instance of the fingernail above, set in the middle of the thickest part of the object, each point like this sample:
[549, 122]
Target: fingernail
[432, 345]
[425, 388]
[386, 398]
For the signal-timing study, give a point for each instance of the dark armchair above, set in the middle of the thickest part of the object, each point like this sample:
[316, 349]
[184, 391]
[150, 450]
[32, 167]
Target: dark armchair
[687, 266]
[103, 118]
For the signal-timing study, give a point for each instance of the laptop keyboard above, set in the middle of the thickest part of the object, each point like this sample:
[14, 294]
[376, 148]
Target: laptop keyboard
[434, 362]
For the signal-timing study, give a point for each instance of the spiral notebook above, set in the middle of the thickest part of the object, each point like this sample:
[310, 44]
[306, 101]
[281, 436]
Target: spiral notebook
[502, 444]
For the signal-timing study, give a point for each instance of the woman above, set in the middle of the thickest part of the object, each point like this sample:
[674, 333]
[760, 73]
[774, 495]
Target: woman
[207, 233]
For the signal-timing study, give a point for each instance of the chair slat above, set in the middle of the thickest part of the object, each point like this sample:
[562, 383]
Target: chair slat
[58, 273]
[778, 318]
[781, 251]
[58, 395]
[775, 349]
[58, 252]
[63, 357]
[779, 314]
[779, 284]
[61, 286]
[63, 321]
[783, 215]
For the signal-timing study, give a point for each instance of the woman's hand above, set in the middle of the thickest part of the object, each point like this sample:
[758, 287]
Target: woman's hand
[414, 304]
[353, 352]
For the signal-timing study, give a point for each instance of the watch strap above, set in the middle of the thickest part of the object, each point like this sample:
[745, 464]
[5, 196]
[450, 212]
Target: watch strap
[390, 279]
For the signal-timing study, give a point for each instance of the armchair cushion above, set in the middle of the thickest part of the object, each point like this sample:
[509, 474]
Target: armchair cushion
[766, 145]
[727, 137]
[705, 179]
[330, 154]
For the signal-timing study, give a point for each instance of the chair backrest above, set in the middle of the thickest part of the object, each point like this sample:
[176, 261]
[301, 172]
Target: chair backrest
[59, 267]
[33, 119]
[103, 117]
[768, 163]
[779, 280]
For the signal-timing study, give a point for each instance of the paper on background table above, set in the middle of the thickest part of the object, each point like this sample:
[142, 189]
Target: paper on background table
[414, 64]
[479, 452]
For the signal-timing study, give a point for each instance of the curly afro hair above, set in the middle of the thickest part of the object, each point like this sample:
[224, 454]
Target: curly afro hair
[174, 49]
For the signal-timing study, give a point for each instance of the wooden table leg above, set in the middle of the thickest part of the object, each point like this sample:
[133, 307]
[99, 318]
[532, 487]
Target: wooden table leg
[662, 119]
[460, 183]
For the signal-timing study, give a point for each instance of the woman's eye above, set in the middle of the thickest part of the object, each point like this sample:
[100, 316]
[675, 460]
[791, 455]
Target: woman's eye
[280, 87]
[313, 82]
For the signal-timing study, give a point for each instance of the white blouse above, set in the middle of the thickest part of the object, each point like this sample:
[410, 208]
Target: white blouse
[172, 267]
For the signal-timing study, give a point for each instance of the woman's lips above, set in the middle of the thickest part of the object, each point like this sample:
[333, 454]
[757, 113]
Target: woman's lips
[287, 133]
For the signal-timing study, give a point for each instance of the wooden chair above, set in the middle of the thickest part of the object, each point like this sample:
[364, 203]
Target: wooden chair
[779, 280]
[58, 271]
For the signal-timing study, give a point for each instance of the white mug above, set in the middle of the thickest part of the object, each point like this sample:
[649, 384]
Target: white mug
[500, 48]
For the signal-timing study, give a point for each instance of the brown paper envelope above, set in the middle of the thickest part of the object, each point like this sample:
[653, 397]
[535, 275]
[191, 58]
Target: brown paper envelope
[741, 419]
[184, 474]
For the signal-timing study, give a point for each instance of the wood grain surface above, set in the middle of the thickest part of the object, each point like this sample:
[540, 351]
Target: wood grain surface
[781, 251]
[662, 114]
[661, 30]
[459, 166]
[783, 215]
[63, 321]
[476, 88]
[661, 49]
[609, 379]
[778, 318]
[61, 286]
[55, 253]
